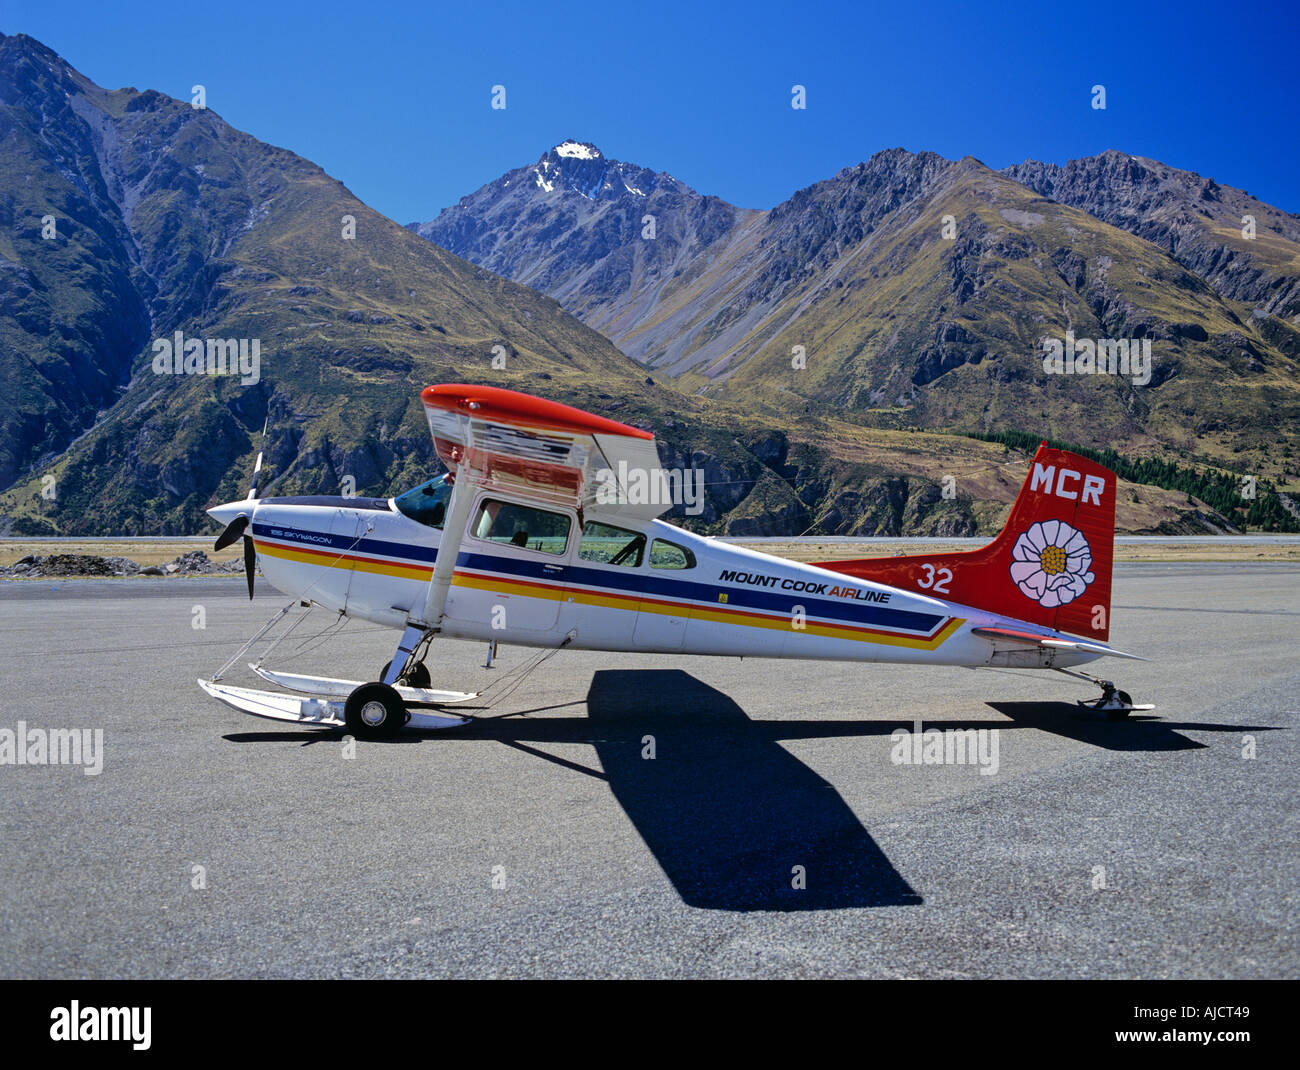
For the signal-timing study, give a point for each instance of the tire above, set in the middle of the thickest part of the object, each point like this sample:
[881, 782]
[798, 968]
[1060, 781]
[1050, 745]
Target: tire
[374, 711]
[1120, 715]
[416, 676]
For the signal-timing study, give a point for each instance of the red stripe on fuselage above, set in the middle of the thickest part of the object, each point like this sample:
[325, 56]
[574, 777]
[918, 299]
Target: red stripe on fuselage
[336, 555]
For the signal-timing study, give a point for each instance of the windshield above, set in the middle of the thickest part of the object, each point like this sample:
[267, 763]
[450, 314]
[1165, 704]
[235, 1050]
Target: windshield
[427, 503]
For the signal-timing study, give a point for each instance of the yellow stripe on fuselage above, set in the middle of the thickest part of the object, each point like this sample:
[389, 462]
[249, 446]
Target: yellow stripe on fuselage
[587, 597]
[328, 559]
[740, 618]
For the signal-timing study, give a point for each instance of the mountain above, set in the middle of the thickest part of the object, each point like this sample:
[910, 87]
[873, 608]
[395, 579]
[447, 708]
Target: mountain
[917, 291]
[1195, 220]
[171, 227]
[167, 220]
[138, 227]
[574, 224]
[73, 313]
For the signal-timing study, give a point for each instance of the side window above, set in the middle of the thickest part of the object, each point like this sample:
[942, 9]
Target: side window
[521, 525]
[665, 554]
[608, 545]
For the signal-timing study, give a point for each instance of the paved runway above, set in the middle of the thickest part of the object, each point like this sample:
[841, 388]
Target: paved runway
[539, 841]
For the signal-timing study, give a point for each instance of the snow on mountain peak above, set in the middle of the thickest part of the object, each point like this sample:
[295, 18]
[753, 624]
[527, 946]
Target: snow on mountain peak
[577, 150]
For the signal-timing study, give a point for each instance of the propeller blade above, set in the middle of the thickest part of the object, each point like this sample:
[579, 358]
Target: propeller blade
[257, 467]
[250, 563]
[233, 530]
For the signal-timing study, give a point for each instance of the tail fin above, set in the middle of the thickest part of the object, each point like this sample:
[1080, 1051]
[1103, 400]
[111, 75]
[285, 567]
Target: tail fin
[1051, 564]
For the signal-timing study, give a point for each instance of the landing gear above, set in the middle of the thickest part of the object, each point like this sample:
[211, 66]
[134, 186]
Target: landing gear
[407, 664]
[1114, 703]
[415, 676]
[375, 711]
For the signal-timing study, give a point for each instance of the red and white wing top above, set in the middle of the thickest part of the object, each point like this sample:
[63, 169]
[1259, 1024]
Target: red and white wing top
[540, 449]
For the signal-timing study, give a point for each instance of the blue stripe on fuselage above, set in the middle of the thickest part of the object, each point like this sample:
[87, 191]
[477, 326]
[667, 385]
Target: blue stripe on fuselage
[626, 580]
[689, 590]
[323, 540]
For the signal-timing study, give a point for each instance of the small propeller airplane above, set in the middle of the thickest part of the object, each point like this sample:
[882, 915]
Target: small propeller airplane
[535, 537]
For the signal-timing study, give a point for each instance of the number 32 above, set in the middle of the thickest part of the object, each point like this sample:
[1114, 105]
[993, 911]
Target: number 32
[937, 580]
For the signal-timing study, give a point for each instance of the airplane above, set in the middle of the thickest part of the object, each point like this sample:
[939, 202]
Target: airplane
[539, 535]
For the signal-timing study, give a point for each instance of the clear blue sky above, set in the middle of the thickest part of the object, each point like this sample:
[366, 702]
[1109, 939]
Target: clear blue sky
[393, 98]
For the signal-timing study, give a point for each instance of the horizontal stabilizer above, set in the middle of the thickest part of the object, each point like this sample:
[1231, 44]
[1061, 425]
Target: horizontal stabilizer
[1059, 642]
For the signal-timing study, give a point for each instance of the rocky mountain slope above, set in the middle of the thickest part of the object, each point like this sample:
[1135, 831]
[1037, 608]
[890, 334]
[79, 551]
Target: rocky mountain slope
[170, 220]
[610, 241]
[911, 290]
[1200, 223]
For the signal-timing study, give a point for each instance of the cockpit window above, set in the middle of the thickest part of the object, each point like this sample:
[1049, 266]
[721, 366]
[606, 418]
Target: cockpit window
[427, 503]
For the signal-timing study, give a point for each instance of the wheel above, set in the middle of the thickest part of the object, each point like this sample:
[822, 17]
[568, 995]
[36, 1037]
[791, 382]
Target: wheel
[1120, 714]
[374, 711]
[416, 676]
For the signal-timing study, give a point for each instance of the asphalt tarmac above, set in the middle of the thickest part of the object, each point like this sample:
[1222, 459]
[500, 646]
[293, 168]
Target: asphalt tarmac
[770, 835]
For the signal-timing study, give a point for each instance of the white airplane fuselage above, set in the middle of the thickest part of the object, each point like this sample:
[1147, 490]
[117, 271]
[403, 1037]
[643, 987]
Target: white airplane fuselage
[678, 593]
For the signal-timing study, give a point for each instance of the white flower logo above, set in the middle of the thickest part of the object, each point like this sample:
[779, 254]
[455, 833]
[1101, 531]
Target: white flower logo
[1052, 563]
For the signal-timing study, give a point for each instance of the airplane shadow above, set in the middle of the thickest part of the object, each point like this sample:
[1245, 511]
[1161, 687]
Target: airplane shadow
[1137, 732]
[313, 734]
[727, 812]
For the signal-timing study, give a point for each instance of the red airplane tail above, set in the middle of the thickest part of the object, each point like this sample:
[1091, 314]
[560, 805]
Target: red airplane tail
[1050, 565]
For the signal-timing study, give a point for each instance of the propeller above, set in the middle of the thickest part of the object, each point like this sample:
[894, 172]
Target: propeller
[257, 467]
[239, 526]
[250, 564]
[234, 530]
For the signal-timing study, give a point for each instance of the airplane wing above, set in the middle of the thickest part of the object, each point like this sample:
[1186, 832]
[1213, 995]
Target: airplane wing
[1062, 642]
[544, 450]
